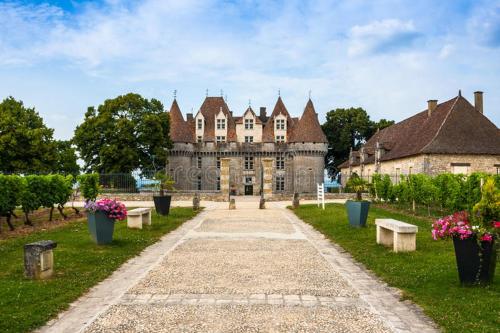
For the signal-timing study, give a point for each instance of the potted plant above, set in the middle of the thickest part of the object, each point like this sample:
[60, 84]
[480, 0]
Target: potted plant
[474, 237]
[357, 210]
[101, 216]
[162, 201]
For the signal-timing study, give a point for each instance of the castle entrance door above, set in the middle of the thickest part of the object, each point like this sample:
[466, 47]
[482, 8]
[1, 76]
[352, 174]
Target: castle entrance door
[248, 189]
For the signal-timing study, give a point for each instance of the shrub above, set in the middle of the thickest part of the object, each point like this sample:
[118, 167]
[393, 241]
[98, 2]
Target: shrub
[33, 194]
[63, 188]
[89, 185]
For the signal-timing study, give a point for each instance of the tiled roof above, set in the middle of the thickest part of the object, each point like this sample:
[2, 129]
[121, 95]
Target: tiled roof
[308, 128]
[179, 129]
[268, 131]
[210, 108]
[454, 127]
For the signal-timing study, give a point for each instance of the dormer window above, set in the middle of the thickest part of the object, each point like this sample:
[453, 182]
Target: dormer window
[280, 138]
[220, 139]
[248, 123]
[280, 124]
[200, 124]
[221, 124]
[248, 139]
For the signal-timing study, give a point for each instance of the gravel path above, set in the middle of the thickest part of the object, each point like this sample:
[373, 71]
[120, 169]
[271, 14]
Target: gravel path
[244, 270]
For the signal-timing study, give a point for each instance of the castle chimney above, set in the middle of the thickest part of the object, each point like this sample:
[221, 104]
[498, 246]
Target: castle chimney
[262, 114]
[431, 106]
[189, 116]
[478, 101]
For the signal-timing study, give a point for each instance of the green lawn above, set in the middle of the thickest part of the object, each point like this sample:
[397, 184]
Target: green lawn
[427, 276]
[79, 264]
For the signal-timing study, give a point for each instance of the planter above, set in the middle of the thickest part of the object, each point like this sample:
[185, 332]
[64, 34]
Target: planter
[357, 212]
[471, 269]
[162, 204]
[101, 227]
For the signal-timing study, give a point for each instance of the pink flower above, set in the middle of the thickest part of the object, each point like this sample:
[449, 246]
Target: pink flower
[487, 238]
[496, 224]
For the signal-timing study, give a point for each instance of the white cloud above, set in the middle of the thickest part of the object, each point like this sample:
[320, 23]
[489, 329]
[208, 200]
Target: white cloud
[445, 52]
[381, 36]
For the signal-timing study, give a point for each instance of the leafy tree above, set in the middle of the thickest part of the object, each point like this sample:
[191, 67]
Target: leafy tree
[66, 159]
[123, 134]
[89, 186]
[26, 144]
[346, 129]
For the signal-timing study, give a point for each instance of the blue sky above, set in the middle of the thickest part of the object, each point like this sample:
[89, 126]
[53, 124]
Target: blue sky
[387, 56]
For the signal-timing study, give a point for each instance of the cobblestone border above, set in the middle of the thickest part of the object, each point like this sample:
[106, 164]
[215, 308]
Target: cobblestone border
[400, 316]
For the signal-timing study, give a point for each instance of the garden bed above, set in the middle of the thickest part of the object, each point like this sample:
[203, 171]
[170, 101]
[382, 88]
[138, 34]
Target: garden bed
[427, 276]
[79, 265]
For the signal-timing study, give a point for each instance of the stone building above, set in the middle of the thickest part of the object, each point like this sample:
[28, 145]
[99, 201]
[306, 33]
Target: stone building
[453, 136]
[288, 152]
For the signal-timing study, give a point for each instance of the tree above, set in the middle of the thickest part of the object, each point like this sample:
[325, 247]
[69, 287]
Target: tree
[26, 144]
[346, 129]
[66, 159]
[125, 133]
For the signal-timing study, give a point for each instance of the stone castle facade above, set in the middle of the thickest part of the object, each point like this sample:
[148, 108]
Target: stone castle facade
[215, 151]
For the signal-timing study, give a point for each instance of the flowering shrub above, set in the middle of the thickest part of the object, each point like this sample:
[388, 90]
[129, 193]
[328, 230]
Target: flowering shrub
[483, 223]
[114, 209]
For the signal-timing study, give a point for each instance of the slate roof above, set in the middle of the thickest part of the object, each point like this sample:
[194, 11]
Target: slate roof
[308, 128]
[454, 127]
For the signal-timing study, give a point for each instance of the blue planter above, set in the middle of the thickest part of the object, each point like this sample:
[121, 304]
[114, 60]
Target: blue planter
[101, 227]
[357, 212]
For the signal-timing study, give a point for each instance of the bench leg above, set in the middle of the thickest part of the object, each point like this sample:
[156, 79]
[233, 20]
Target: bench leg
[146, 218]
[384, 236]
[405, 242]
[134, 222]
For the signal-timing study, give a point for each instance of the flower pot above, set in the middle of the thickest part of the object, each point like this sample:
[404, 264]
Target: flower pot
[162, 204]
[357, 212]
[472, 269]
[101, 227]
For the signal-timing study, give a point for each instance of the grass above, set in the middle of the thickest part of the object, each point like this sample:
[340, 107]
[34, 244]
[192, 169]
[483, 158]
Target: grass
[79, 265]
[427, 276]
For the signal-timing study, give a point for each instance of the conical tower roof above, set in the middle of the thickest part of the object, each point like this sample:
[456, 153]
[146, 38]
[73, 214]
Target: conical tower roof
[279, 108]
[308, 128]
[179, 129]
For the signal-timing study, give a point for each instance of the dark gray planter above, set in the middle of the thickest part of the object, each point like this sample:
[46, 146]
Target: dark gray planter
[357, 212]
[162, 204]
[101, 227]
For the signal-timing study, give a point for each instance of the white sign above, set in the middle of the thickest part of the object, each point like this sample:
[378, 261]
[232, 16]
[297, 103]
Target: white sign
[321, 194]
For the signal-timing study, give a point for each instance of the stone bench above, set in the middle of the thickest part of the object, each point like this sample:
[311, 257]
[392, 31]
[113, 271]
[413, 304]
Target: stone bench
[400, 235]
[137, 217]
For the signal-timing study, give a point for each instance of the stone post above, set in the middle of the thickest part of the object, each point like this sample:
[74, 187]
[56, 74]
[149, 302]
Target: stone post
[39, 259]
[196, 201]
[224, 178]
[262, 203]
[267, 166]
[296, 200]
[232, 204]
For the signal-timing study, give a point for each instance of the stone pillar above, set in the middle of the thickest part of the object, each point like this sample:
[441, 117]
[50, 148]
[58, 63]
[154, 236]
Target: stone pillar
[267, 165]
[196, 201]
[224, 178]
[296, 200]
[39, 259]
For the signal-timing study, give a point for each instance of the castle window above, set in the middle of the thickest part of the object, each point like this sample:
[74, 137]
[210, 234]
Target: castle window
[280, 124]
[280, 163]
[248, 123]
[217, 162]
[218, 184]
[249, 139]
[221, 124]
[280, 138]
[200, 139]
[248, 163]
[460, 168]
[198, 181]
[199, 163]
[200, 124]
[220, 139]
[280, 183]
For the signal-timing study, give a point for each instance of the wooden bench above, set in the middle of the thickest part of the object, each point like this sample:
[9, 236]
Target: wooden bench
[400, 235]
[137, 217]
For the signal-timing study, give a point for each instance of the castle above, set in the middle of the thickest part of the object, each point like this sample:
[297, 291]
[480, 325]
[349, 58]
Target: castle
[215, 151]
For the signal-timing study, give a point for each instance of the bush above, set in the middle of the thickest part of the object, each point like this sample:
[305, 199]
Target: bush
[34, 194]
[62, 187]
[10, 189]
[89, 185]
